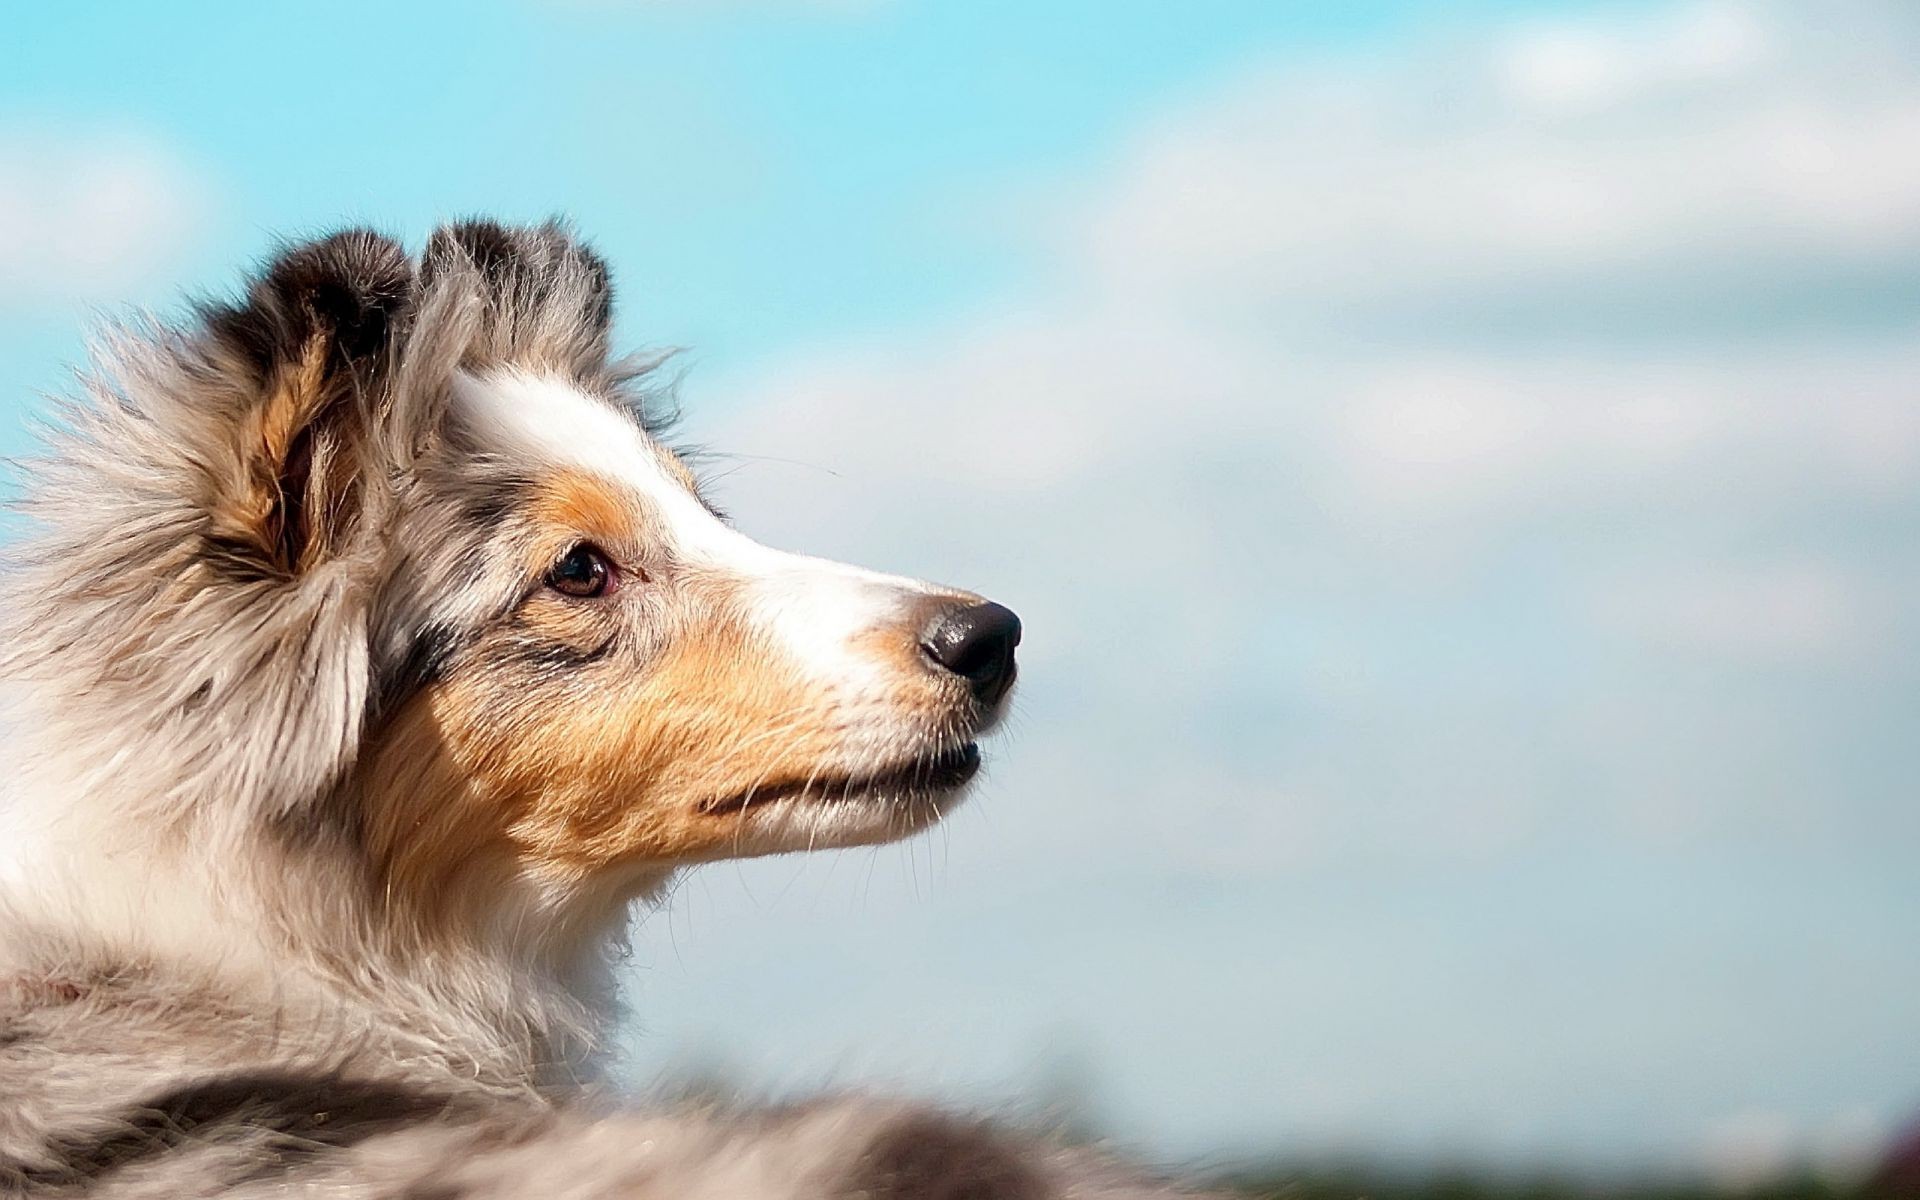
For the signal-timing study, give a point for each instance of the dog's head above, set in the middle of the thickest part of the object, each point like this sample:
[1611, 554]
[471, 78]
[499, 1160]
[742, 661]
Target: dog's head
[437, 564]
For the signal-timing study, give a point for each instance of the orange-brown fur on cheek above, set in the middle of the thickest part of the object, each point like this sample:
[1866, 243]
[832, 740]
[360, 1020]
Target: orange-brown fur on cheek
[565, 773]
[626, 777]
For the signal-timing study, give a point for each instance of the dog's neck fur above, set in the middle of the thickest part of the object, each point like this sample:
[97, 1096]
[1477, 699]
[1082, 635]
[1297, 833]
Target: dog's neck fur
[516, 990]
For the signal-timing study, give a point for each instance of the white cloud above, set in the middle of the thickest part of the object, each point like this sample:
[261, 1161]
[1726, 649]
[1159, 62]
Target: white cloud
[1600, 428]
[1789, 612]
[1703, 143]
[1595, 64]
[90, 214]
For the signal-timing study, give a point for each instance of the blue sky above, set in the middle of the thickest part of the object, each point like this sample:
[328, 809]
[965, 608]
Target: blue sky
[1458, 464]
[773, 172]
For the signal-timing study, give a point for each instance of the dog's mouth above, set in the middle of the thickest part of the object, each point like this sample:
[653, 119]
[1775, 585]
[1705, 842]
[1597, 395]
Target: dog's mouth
[940, 772]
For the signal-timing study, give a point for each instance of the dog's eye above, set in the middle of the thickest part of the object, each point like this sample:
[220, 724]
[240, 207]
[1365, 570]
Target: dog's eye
[583, 572]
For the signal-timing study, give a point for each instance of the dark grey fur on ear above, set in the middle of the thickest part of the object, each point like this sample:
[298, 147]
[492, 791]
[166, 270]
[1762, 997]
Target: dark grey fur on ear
[545, 298]
[348, 293]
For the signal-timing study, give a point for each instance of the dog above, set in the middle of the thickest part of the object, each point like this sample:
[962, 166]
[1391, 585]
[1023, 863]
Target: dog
[372, 656]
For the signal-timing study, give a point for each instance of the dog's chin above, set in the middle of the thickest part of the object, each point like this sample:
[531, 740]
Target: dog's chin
[829, 810]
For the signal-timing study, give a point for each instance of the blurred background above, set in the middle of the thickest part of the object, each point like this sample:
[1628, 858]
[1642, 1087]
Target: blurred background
[1459, 466]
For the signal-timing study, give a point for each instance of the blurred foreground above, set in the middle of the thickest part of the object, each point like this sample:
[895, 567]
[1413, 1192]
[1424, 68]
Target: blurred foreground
[1895, 1176]
[1364, 1184]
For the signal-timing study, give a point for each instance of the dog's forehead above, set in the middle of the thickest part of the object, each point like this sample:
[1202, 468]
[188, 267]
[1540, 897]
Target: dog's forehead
[550, 421]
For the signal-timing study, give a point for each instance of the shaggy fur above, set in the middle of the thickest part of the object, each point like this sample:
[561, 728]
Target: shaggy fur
[332, 785]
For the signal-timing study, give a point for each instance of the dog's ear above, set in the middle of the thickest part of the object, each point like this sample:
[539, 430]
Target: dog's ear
[544, 299]
[312, 347]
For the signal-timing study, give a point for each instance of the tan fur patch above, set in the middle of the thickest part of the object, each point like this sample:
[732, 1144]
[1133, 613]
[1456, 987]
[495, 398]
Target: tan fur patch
[576, 505]
[607, 768]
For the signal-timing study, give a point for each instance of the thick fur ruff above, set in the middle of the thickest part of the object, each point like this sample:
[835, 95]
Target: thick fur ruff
[370, 660]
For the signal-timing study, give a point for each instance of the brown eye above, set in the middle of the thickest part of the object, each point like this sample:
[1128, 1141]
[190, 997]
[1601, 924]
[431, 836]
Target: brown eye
[584, 573]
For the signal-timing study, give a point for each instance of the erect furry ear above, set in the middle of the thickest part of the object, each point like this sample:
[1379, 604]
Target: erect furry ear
[313, 343]
[545, 299]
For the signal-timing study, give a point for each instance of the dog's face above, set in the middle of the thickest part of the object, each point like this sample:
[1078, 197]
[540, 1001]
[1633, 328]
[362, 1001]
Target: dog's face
[622, 678]
[578, 671]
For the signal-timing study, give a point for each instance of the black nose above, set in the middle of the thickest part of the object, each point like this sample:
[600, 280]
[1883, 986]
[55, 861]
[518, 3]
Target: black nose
[976, 643]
